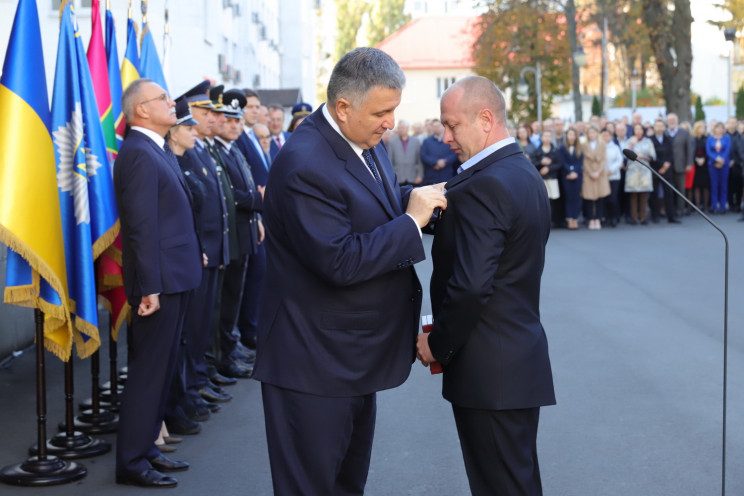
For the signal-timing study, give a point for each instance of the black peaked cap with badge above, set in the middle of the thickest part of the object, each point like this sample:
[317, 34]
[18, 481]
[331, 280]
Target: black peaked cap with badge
[198, 96]
[234, 100]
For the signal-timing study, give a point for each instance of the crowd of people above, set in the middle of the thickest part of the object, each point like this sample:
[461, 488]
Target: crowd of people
[189, 180]
[589, 179]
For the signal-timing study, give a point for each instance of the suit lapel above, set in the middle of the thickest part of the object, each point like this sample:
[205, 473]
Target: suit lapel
[354, 164]
[172, 168]
[500, 154]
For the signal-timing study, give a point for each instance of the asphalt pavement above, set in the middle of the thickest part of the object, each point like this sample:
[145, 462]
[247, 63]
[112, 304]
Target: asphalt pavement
[634, 318]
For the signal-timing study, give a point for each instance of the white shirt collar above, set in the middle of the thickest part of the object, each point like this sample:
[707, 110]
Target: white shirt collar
[159, 140]
[227, 144]
[485, 152]
[357, 149]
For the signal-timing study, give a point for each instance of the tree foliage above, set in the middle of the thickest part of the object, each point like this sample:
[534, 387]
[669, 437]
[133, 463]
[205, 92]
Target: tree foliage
[349, 15]
[385, 18]
[740, 103]
[520, 33]
[596, 107]
[736, 8]
[699, 112]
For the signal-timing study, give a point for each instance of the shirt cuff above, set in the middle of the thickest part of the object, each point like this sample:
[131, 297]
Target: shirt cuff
[416, 224]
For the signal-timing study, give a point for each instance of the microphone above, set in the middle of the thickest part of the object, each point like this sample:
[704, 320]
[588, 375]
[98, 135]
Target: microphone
[633, 157]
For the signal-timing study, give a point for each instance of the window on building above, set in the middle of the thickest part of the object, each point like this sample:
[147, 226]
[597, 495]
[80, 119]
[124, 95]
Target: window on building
[443, 83]
[78, 3]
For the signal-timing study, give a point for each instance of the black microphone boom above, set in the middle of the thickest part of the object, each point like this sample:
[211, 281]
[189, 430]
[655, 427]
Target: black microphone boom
[633, 156]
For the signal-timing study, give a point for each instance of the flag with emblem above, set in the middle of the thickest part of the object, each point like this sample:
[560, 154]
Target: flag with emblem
[89, 217]
[30, 218]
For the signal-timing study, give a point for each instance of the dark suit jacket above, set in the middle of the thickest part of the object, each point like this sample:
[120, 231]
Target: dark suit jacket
[341, 301]
[489, 253]
[683, 150]
[258, 169]
[664, 152]
[209, 206]
[248, 202]
[274, 147]
[160, 247]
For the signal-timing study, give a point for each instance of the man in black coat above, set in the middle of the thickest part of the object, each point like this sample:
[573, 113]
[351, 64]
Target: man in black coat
[663, 164]
[488, 255]
[162, 264]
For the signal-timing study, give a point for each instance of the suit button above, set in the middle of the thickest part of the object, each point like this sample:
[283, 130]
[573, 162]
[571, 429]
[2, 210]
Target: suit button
[412, 299]
[236, 203]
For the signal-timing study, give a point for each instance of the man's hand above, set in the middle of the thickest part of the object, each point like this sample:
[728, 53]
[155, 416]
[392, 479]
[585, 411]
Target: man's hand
[441, 163]
[544, 171]
[261, 189]
[424, 200]
[205, 259]
[665, 167]
[688, 168]
[149, 305]
[418, 180]
[423, 352]
[261, 232]
[571, 176]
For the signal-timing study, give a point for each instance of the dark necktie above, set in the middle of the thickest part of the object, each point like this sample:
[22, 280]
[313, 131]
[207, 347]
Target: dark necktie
[370, 161]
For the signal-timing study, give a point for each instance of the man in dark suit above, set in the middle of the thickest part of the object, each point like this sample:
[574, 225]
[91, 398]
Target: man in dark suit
[683, 155]
[162, 264]
[276, 126]
[488, 254]
[249, 144]
[341, 301]
[663, 164]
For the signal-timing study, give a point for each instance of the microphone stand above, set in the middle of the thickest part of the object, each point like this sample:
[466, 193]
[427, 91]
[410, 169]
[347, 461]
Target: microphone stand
[631, 155]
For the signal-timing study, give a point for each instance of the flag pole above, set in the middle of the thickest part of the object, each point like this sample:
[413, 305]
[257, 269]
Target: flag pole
[42, 469]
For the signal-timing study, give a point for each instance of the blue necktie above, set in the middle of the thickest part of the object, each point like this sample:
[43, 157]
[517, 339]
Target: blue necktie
[369, 159]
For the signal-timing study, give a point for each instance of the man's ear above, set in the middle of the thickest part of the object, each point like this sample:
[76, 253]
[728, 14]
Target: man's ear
[486, 120]
[141, 111]
[342, 108]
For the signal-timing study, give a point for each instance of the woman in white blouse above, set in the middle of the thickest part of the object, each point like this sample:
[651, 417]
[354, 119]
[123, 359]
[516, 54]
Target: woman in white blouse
[638, 179]
[614, 164]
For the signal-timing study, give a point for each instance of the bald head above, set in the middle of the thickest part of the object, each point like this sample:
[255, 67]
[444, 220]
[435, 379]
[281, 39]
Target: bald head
[481, 94]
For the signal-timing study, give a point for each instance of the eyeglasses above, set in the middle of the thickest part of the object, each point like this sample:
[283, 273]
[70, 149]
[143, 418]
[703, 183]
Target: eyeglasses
[163, 97]
[266, 136]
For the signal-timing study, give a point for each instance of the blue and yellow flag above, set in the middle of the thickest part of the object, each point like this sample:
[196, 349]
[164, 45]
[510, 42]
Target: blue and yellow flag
[30, 218]
[112, 60]
[89, 216]
[130, 66]
[149, 61]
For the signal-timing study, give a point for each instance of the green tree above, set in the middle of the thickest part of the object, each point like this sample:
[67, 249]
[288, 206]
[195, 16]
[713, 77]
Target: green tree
[519, 33]
[740, 103]
[671, 44]
[349, 15]
[385, 18]
[699, 112]
[596, 107]
[736, 7]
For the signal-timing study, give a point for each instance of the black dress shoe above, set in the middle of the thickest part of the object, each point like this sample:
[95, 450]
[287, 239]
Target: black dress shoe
[214, 387]
[163, 464]
[182, 425]
[675, 221]
[197, 414]
[250, 343]
[211, 395]
[243, 357]
[172, 440]
[166, 448]
[221, 380]
[236, 371]
[148, 478]
[213, 407]
[245, 349]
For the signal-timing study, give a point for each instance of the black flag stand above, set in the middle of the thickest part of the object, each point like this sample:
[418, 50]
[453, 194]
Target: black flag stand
[43, 469]
[71, 443]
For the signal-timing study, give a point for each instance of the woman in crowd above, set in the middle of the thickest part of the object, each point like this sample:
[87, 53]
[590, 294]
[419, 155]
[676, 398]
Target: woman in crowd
[701, 182]
[718, 148]
[548, 163]
[638, 179]
[614, 164]
[524, 131]
[572, 159]
[596, 185]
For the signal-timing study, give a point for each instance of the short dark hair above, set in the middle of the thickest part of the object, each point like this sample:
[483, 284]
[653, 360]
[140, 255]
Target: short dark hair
[250, 93]
[361, 70]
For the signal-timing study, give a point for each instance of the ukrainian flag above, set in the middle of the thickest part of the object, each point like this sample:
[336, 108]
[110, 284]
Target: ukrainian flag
[130, 65]
[30, 218]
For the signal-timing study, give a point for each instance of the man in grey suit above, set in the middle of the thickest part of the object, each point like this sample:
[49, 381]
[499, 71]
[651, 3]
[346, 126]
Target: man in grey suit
[683, 153]
[405, 156]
